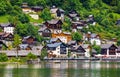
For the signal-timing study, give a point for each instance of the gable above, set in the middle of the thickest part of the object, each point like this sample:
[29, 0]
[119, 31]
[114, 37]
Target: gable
[81, 49]
[113, 47]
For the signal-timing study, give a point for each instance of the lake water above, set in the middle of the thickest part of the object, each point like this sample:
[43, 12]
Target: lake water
[62, 69]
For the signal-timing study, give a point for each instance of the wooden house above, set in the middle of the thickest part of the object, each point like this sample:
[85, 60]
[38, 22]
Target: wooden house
[37, 8]
[109, 50]
[45, 32]
[80, 50]
[25, 8]
[54, 25]
[28, 40]
[74, 16]
[90, 20]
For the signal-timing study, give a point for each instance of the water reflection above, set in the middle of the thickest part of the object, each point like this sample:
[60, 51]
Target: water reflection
[62, 69]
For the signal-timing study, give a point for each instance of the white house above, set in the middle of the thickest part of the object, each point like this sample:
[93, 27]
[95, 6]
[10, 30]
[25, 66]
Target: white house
[95, 39]
[57, 49]
[92, 38]
[7, 28]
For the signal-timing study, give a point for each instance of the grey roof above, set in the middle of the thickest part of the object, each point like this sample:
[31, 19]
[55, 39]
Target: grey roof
[6, 25]
[76, 47]
[73, 15]
[67, 33]
[54, 45]
[106, 46]
[23, 46]
[38, 7]
[85, 46]
[118, 48]
[42, 28]
[94, 51]
[61, 10]
[53, 39]
[53, 10]
[93, 35]
[71, 42]
[37, 47]
[53, 21]
[77, 22]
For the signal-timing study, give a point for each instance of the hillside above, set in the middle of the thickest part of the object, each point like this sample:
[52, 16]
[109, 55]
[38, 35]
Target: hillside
[105, 12]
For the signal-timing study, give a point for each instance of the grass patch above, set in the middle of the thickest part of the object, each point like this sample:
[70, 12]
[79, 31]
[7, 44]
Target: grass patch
[34, 20]
[4, 19]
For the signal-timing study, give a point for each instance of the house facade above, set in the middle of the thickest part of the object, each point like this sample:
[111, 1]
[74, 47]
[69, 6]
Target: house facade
[80, 50]
[7, 28]
[64, 37]
[109, 50]
[45, 32]
[57, 50]
[92, 38]
[54, 25]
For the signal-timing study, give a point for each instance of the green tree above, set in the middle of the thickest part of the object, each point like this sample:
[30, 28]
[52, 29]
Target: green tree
[16, 2]
[3, 57]
[77, 36]
[97, 48]
[46, 15]
[31, 56]
[21, 29]
[118, 42]
[41, 3]
[66, 25]
[43, 54]
[118, 7]
[17, 42]
[23, 18]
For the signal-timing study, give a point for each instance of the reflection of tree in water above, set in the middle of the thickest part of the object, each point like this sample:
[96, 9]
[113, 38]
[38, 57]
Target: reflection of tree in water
[2, 70]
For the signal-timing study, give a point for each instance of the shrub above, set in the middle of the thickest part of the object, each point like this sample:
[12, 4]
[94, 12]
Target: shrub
[3, 57]
[31, 56]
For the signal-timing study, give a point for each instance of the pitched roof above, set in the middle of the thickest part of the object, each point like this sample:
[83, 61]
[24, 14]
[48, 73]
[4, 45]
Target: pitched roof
[6, 25]
[85, 46]
[104, 46]
[53, 39]
[61, 10]
[6, 35]
[53, 21]
[23, 46]
[118, 48]
[54, 45]
[71, 42]
[53, 10]
[93, 35]
[94, 51]
[42, 28]
[37, 7]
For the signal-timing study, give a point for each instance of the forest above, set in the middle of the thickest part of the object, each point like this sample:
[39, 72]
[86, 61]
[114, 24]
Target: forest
[105, 12]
